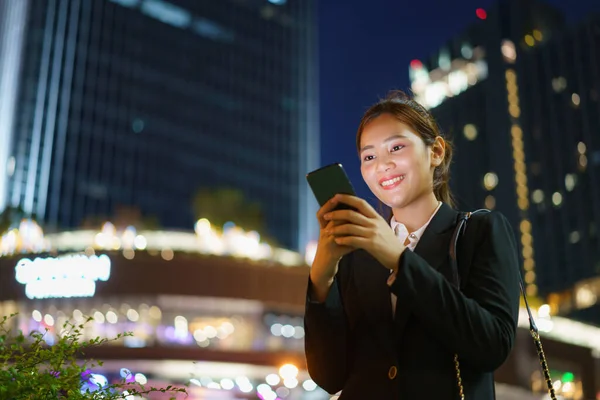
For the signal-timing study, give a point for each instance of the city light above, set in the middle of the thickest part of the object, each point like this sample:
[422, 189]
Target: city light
[451, 78]
[416, 64]
[520, 169]
[206, 239]
[481, 13]
[70, 276]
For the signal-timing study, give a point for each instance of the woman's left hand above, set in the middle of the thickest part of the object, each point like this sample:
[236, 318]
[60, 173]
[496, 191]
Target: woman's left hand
[365, 229]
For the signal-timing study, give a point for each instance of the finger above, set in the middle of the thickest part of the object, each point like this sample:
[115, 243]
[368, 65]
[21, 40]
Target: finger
[349, 230]
[348, 216]
[327, 207]
[361, 205]
[332, 224]
[351, 241]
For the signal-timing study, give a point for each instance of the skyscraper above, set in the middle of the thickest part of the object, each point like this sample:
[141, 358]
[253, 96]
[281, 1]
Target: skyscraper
[143, 102]
[519, 92]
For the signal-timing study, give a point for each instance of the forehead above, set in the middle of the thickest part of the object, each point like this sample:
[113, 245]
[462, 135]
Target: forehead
[383, 127]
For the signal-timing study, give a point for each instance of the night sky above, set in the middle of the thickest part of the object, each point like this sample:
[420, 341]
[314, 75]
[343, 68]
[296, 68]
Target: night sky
[365, 49]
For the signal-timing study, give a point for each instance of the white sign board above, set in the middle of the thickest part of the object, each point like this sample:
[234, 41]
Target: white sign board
[69, 276]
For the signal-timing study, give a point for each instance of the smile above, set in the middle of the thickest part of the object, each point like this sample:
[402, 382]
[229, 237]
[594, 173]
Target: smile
[391, 182]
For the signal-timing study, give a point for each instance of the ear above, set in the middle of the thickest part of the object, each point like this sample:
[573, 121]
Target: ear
[438, 150]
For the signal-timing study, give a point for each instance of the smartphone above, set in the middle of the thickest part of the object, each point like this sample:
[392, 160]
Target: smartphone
[328, 181]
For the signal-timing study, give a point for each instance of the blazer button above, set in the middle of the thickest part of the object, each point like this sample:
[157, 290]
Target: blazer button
[392, 372]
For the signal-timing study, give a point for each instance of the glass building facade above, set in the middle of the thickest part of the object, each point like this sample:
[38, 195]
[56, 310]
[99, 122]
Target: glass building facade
[518, 92]
[143, 102]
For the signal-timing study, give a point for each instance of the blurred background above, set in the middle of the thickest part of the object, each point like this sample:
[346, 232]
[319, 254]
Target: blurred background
[153, 156]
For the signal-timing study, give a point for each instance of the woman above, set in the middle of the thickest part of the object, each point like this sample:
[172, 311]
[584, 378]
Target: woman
[383, 318]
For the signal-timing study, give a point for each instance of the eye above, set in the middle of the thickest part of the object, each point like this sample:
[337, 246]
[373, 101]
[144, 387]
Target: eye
[397, 147]
[368, 158]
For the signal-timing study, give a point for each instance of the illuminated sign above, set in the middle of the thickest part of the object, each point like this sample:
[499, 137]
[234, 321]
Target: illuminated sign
[69, 276]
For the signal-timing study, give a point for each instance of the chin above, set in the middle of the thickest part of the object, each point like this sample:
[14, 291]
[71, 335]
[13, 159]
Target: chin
[397, 201]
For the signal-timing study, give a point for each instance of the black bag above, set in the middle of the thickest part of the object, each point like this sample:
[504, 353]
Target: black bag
[460, 227]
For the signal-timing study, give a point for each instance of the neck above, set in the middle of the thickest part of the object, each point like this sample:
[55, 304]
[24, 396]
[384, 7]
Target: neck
[417, 213]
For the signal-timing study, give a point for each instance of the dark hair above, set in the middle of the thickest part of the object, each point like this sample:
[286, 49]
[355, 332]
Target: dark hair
[406, 110]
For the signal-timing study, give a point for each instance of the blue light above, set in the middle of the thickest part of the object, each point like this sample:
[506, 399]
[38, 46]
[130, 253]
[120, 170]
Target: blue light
[278, 2]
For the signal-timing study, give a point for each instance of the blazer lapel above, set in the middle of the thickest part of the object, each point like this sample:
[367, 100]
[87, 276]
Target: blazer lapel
[433, 247]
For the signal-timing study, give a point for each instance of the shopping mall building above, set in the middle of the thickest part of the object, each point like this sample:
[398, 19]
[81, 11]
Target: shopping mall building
[218, 310]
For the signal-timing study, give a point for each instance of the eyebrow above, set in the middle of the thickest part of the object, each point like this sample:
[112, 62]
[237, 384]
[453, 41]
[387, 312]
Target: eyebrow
[389, 139]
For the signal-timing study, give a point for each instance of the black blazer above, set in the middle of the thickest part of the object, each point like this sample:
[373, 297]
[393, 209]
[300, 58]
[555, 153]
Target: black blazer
[353, 344]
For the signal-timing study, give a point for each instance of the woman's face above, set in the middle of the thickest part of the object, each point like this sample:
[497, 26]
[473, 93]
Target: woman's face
[395, 162]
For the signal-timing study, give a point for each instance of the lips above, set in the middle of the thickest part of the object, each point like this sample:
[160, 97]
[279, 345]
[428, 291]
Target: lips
[390, 182]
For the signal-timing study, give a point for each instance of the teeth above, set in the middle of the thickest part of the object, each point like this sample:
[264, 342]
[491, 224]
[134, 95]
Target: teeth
[392, 181]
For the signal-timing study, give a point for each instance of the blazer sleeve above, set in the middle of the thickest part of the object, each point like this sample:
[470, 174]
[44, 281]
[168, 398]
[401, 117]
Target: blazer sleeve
[479, 324]
[326, 336]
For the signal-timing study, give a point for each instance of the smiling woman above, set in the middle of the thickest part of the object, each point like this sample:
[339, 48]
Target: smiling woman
[387, 315]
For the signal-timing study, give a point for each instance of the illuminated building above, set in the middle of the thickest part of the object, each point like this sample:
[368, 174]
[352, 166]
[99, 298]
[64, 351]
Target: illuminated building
[219, 310]
[519, 93]
[521, 105]
[143, 102]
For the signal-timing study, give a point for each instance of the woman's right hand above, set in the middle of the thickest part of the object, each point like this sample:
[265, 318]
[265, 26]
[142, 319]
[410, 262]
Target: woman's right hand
[329, 253]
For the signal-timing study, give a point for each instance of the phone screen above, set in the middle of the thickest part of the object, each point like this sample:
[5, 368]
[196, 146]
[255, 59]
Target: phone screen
[328, 181]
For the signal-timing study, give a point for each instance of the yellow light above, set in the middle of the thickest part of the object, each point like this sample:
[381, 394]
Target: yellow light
[530, 40]
[514, 111]
[527, 252]
[490, 202]
[537, 196]
[575, 99]
[526, 239]
[511, 88]
[582, 162]
[490, 180]
[517, 144]
[531, 290]
[520, 177]
[523, 204]
[470, 132]
[544, 311]
[581, 148]
[529, 277]
[528, 264]
[516, 131]
[288, 371]
[167, 254]
[525, 226]
[511, 75]
[522, 191]
[557, 199]
[537, 35]
[202, 227]
[513, 98]
[518, 153]
[570, 181]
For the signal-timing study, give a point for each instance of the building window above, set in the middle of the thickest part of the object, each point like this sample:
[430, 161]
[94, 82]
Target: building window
[559, 84]
[470, 132]
[490, 180]
[574, 237]
[537, 196]
[557, 199]
[508, 51]
[570, 181]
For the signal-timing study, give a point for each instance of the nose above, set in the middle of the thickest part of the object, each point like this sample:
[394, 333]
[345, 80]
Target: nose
[384, 163]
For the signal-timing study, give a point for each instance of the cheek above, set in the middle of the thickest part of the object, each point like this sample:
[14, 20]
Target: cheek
[367, 174]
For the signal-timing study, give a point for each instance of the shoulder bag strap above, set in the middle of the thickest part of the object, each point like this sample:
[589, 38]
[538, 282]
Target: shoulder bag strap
[458, 231]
